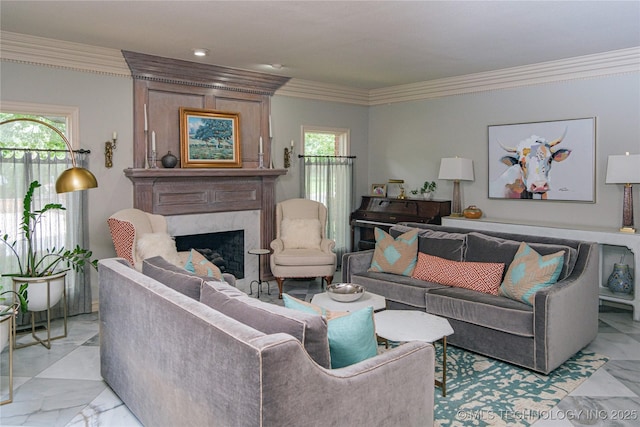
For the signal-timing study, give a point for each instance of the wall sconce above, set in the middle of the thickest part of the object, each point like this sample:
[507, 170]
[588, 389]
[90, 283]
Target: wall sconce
[72, 179]
[456, 169]
[400, 184]
[288, 152]
[625, 169]
[109, 147]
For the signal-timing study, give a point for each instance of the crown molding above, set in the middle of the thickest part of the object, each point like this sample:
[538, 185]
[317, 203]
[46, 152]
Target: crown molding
[42, 51]
[589, 66]
[34, 50]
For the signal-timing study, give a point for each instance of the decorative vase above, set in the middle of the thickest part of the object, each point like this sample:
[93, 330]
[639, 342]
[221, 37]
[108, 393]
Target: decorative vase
[5, 322]
[37, 290]
[427, 195]
[472, 212]
[169, 160]
[620, 279]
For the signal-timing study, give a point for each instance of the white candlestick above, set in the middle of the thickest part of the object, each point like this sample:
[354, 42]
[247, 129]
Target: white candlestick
[260, 152]
[153, 141]
[115, 135]
[146, 126]
[292, 145]
[270, 132]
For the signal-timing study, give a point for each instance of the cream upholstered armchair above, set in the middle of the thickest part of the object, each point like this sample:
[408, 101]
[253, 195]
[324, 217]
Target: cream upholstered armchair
[301, 248]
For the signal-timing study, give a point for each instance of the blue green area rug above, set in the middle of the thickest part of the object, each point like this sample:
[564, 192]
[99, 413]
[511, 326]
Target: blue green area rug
[486, 392]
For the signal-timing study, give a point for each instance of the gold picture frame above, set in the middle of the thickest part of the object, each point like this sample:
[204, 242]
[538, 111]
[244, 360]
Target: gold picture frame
[378, 190]
[209, 139]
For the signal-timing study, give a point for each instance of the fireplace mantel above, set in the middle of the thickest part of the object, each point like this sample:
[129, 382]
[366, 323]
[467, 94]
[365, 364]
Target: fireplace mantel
[196, 191]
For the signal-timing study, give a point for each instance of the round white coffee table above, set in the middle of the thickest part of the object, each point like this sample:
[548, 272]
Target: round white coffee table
[413, 325]
[367, 300]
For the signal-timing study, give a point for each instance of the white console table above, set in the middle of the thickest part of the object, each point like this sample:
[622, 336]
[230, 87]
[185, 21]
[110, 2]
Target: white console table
[613, 246]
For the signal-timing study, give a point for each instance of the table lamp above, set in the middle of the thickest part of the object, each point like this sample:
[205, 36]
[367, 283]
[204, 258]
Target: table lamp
[456, 169]
[625, 169]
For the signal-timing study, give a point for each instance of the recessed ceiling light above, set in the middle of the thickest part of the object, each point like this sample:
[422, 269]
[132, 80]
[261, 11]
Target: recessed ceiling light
[200, 52]
[276, 66]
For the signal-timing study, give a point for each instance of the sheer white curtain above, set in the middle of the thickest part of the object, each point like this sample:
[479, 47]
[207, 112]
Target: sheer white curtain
[18, 168]
[329, 180]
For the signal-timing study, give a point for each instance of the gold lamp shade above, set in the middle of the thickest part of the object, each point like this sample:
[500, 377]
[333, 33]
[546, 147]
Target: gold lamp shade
[74, 178]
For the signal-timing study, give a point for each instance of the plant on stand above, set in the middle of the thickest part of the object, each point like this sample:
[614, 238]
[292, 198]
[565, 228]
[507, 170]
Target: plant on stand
[33, 264]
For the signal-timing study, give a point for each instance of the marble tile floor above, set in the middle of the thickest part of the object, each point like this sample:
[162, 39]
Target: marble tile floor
[63, 387]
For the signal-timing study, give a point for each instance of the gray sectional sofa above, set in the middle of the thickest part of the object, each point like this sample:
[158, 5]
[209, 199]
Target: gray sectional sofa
[180, 351]
[562, 320]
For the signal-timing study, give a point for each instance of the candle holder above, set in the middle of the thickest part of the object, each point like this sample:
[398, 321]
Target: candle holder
[153, 160]
[146, 144]
[260, 161]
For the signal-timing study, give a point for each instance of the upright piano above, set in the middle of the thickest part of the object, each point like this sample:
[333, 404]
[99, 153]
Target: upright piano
[383, 212]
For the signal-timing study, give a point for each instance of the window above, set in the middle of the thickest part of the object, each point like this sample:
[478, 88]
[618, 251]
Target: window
[319, 141]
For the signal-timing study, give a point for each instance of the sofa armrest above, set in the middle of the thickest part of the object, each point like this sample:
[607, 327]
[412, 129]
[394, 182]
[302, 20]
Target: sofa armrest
[371, 392]
[327, 245]
[355, 263]
[566, 314]
[277, 245]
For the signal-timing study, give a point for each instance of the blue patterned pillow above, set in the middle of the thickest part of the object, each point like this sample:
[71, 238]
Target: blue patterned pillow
[530, 272]
[397, 256]
[352, 336]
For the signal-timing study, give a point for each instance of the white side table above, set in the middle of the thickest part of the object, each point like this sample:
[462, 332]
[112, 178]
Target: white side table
[323, 299]
[413, 325]
[259, 282]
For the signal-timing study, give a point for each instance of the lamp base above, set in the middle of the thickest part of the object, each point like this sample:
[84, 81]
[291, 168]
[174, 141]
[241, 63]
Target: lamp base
[456, 215]
[627, 229]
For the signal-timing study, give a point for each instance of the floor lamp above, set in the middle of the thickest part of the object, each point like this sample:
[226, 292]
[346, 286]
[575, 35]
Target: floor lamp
[625, 169]
[456, 169]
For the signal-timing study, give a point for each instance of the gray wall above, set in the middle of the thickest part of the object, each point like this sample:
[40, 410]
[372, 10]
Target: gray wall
[290, 114]
[105, 105]
[407, 140]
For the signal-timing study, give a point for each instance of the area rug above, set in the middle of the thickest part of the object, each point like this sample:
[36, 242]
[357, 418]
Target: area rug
[487, 392]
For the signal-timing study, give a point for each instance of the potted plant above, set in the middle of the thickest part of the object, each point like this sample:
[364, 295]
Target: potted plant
[6, 311]
[38, 268]
[427, 189]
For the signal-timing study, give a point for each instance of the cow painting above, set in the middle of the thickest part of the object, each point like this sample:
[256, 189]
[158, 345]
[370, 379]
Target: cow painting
[529, 166]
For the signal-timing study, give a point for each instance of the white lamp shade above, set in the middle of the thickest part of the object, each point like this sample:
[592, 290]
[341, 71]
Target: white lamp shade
[623, 169]
[456, 168]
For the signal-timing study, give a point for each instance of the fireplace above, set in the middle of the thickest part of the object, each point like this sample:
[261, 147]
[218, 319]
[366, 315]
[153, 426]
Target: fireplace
[241, 226]
[224, 249]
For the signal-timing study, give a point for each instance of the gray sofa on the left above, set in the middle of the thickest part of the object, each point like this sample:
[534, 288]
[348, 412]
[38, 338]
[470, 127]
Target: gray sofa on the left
[176, 361]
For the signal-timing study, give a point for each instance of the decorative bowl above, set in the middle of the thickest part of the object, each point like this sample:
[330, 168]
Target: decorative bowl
[345, 292]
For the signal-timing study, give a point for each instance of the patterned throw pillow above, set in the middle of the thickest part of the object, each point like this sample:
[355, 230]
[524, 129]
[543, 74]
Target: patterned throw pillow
[397, 256]
[477, 276]
[530, 272]
[200, 265]
[352, 336]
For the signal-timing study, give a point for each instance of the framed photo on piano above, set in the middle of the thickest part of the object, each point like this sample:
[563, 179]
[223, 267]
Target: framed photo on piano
[378, 190]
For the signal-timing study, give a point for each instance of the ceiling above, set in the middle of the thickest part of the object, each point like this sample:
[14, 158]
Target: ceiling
[360, 44]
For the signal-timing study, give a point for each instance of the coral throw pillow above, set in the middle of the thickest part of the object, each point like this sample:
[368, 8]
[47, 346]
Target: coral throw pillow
[397, 256]
[478, 276]
[200, 265]
[530, 272]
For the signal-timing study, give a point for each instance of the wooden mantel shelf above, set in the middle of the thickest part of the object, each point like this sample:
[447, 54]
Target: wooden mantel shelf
[180, 173]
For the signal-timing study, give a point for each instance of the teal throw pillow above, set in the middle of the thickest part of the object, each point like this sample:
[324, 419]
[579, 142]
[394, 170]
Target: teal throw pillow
[352, 336]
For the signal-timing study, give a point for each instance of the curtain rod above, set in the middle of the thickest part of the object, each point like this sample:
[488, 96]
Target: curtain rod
[44, 150]
[302, 156]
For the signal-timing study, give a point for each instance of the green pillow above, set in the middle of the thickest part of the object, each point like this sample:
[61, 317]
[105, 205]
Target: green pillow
[530, 272]
[352, 336]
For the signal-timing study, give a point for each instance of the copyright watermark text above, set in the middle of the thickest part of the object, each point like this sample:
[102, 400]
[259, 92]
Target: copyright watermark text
[532, 415]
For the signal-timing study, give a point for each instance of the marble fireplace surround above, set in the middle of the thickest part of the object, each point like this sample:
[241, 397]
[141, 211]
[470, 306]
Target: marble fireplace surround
[197, 201]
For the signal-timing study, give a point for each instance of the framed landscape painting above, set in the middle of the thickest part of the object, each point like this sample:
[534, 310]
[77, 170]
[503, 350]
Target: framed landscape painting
[552, 160]
[209, 139]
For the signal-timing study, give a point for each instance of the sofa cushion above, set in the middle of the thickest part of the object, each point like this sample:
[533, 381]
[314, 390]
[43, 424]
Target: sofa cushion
[397, 256]
[198, 264]
[301, 233]
[352, 336]
[309, 329]
[435, 242]
[478, 276]
[530, 272]
[484, 248]
[402, 289]
[172, 276]
[491, 311]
